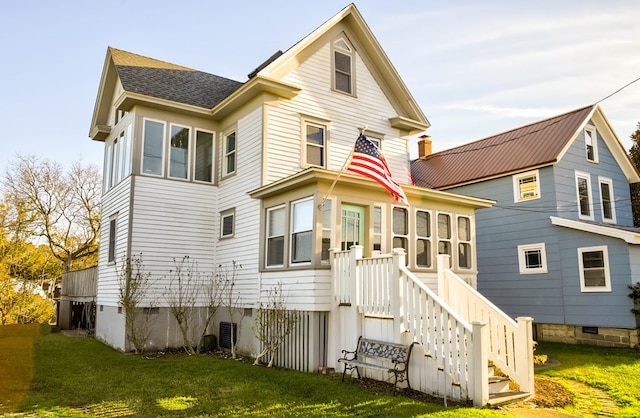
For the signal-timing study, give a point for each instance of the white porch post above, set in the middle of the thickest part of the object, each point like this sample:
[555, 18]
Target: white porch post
[397, 310]
[524, 359]
[480, 364]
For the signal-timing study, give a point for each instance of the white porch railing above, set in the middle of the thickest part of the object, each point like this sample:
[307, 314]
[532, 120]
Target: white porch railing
[510, 342]
[384, 286]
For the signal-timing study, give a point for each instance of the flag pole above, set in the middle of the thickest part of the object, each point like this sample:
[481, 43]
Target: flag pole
[324, 199]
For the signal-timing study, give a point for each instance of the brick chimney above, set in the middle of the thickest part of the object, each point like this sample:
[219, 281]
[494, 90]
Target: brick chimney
[424, 146]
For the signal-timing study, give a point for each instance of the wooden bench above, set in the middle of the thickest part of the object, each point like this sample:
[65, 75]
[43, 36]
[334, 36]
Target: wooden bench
[372, 349]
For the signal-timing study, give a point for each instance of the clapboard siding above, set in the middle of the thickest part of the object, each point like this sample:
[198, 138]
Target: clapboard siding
[115, 203]
[171, 220]
[302, 289]
[344, 114]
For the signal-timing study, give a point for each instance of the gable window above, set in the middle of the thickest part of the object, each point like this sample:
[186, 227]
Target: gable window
[227, 223]
[179, 152]
[342, 66]
[315, 138]
[583, 190]
[526, 186]
[204, 157]
[464, 242]
[591, 144]
[153, 147]
[594, 269]
[111, 251]
[607, 202]
[423, 238]
[400, 228]
[275, 236]
[301, 231]
[532, 258]
[229, 158]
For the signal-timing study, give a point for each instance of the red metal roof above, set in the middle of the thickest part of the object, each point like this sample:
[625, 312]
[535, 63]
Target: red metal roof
[537, 144]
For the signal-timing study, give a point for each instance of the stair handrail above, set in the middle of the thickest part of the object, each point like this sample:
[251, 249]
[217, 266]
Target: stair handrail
[511, 342]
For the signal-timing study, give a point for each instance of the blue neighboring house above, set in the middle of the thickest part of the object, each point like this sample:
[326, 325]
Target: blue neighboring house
[559, 244]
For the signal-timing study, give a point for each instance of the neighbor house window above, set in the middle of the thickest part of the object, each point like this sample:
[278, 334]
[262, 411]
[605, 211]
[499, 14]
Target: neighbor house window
[275, 236]
[342, 66]
[594, 269]
[111, 251]
[179, 152]
[591, 144]
[204, 157]
[227, 223]
[315, 141]
[301, 231]
[423, 238]
[400, 228]
[464, 242]
[607, 202]
[532, 258]
[526, 186]
[229, 158]
[583, 190]
[153, 147]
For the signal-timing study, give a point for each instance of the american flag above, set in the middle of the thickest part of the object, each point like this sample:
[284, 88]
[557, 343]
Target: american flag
[368, 161]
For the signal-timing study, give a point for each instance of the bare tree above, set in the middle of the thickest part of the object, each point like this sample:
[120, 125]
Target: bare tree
[182, 296]
[273, 324]
[212, 292]
[134, 284]
[227, 279]
[62, 207]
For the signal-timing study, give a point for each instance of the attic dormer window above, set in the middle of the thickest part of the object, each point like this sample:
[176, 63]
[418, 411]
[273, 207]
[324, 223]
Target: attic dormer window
[342, 66]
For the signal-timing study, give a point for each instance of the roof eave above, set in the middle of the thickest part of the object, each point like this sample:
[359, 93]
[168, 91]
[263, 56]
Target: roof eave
[627, 236]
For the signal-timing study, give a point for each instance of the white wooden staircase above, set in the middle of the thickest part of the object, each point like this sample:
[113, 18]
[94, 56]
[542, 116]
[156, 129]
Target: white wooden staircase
[459, 331]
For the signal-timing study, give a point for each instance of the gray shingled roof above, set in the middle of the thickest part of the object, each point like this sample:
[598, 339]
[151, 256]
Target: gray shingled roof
[195, 88]
[532, 145]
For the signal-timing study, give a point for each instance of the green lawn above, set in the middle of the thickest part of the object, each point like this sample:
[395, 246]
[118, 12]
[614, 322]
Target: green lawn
[82, 377]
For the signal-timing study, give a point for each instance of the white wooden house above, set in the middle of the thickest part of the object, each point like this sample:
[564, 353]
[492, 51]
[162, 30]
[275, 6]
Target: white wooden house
[245, 172]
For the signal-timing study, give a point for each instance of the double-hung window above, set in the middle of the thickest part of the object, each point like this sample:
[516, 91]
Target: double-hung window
[526, 186]
[227, 223]
[229, 158]
[464, 242]
[315, 144]
[594, 269]
[591, 144]
[423, 238]
[343, 66]
[583, 193]
[153, 147]
[179, 152]
[607, 202]
[444, 233]
[111, 249]
[275, 236]
[301, 231]
[400, 228]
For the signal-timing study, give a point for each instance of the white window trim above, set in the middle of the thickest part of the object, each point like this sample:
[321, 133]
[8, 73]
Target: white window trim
[452, 255]
[164, 146]
[225, 214]
[351, 54]
[607, 275]
[460, 241]
[267, 236]
[113, 219]
[608, 181]
[325, 155]
[586, 176]
[516, 186]
[594, 138]
[189, 151]
[291, 232]
[429, 238]
[226, 153]
[522, 262]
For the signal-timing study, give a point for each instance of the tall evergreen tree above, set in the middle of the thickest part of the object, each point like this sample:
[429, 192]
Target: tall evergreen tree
[634, 154]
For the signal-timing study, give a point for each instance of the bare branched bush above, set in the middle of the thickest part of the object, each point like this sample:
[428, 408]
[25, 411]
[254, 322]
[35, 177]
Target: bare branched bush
[273, 324]
[227, 279]
[182, 297]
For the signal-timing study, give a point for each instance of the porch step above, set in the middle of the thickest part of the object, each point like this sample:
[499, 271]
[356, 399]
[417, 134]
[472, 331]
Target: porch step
[503, 398]
[498, 384]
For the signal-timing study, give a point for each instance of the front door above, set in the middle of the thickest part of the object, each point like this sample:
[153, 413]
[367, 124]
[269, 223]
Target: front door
[353, 226]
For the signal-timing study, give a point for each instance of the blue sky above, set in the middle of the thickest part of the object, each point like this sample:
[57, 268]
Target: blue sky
[476, 68]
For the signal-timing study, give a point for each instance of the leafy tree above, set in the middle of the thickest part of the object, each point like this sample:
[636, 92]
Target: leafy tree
[634, 154]
[61, 207]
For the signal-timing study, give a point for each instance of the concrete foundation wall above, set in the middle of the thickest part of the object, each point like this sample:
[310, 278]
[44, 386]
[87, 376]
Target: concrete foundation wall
[599, 336]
